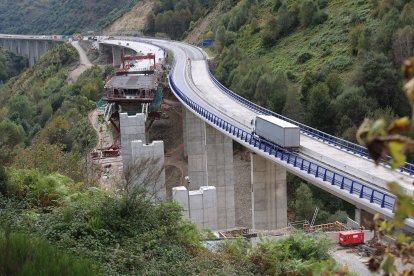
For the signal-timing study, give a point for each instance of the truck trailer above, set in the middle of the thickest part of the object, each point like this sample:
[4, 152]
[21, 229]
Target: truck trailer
[275, 130]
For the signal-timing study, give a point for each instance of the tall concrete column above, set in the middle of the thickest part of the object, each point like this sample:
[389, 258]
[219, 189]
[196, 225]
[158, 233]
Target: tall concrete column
[183, 111]
[32, 52]
[269, 195]
[220, 172]
[149, 170]
[132, 128]
[116, 56]
[196, 150]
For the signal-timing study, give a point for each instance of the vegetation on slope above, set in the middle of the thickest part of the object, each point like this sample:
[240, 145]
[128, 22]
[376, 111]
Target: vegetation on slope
[10, 65]
[174, 17]
[130, 235]
[60, 17]
[326, 63]
[44, 122]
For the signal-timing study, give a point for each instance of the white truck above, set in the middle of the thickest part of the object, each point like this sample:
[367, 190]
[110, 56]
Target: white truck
[275, 130]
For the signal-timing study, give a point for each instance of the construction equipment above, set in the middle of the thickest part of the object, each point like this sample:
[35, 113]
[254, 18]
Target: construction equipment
[351, 237]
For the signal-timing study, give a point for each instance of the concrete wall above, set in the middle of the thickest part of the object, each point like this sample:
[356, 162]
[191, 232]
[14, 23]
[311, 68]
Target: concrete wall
[199, 205]
[132, 128]
[269, 194]
[29, 48]
[148, 167]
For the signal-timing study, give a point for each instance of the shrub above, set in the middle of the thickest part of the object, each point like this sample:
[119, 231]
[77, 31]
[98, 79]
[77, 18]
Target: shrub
[306, 13]
[304, 57]
[24, 255]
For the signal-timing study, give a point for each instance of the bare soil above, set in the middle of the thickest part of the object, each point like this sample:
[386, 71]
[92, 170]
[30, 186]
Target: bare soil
[133, 21]
[107, 172]
[170, 130]
[196, 33]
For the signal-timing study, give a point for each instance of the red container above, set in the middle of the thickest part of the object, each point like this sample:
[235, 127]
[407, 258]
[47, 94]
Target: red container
[351, 237]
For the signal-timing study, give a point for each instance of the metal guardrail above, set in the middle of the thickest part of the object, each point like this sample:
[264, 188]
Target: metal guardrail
[354, 187]
[324, 137]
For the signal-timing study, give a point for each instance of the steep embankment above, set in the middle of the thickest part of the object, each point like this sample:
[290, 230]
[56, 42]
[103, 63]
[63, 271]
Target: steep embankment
[132, 22]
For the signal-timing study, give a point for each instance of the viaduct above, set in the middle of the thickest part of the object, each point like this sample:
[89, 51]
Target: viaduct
[216, 116]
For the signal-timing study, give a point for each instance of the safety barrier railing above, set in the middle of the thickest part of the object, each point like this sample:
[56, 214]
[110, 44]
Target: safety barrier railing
[335, 179]
[324, 137]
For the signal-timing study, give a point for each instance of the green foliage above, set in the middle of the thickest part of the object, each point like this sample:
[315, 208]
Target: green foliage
[320, 112]
[10, 65]
[11, 135]
[57, 17]
[173, 17]
[304, 204]
[271, 90]
[380, 80]
[36, 188]
[24, 255]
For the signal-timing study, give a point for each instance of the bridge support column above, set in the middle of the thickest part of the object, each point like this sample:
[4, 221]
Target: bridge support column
[116, 56]
[269, 195]
[149, 171]
[220, 173]
[32, 45]
[185, 143]
[132, 128]
[196, 150]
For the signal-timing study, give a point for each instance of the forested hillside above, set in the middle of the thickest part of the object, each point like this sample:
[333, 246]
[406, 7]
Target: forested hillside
[10, 65]
[59, 17]
[329, 64]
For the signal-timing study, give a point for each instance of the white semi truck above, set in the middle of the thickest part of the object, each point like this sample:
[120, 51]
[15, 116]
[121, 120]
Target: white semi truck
[278, 131]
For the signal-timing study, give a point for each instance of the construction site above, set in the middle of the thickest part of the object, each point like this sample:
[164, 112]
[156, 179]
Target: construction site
[138, 107]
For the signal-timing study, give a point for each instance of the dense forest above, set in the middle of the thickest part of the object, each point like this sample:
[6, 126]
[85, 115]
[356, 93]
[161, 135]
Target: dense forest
[60, 17]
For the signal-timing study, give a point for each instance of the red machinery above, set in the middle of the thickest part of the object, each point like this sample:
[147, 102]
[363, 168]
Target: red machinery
[131, 58]
[351, 237]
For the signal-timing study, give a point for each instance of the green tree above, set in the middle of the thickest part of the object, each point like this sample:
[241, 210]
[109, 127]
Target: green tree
[11, 136]
[319, 109]
[303, 205]
[271, 90]
[271, 32]
[307, 11]
[376, 74]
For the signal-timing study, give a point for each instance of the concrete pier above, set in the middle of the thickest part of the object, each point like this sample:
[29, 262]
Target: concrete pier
[220, 173]
[269, 195]
[200, 206]
[196, 150]
[132, 129]
[148, 167]
[116, 56]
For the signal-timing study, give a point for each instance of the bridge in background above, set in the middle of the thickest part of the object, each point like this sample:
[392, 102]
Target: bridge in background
[215, 116]
[31, 47]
